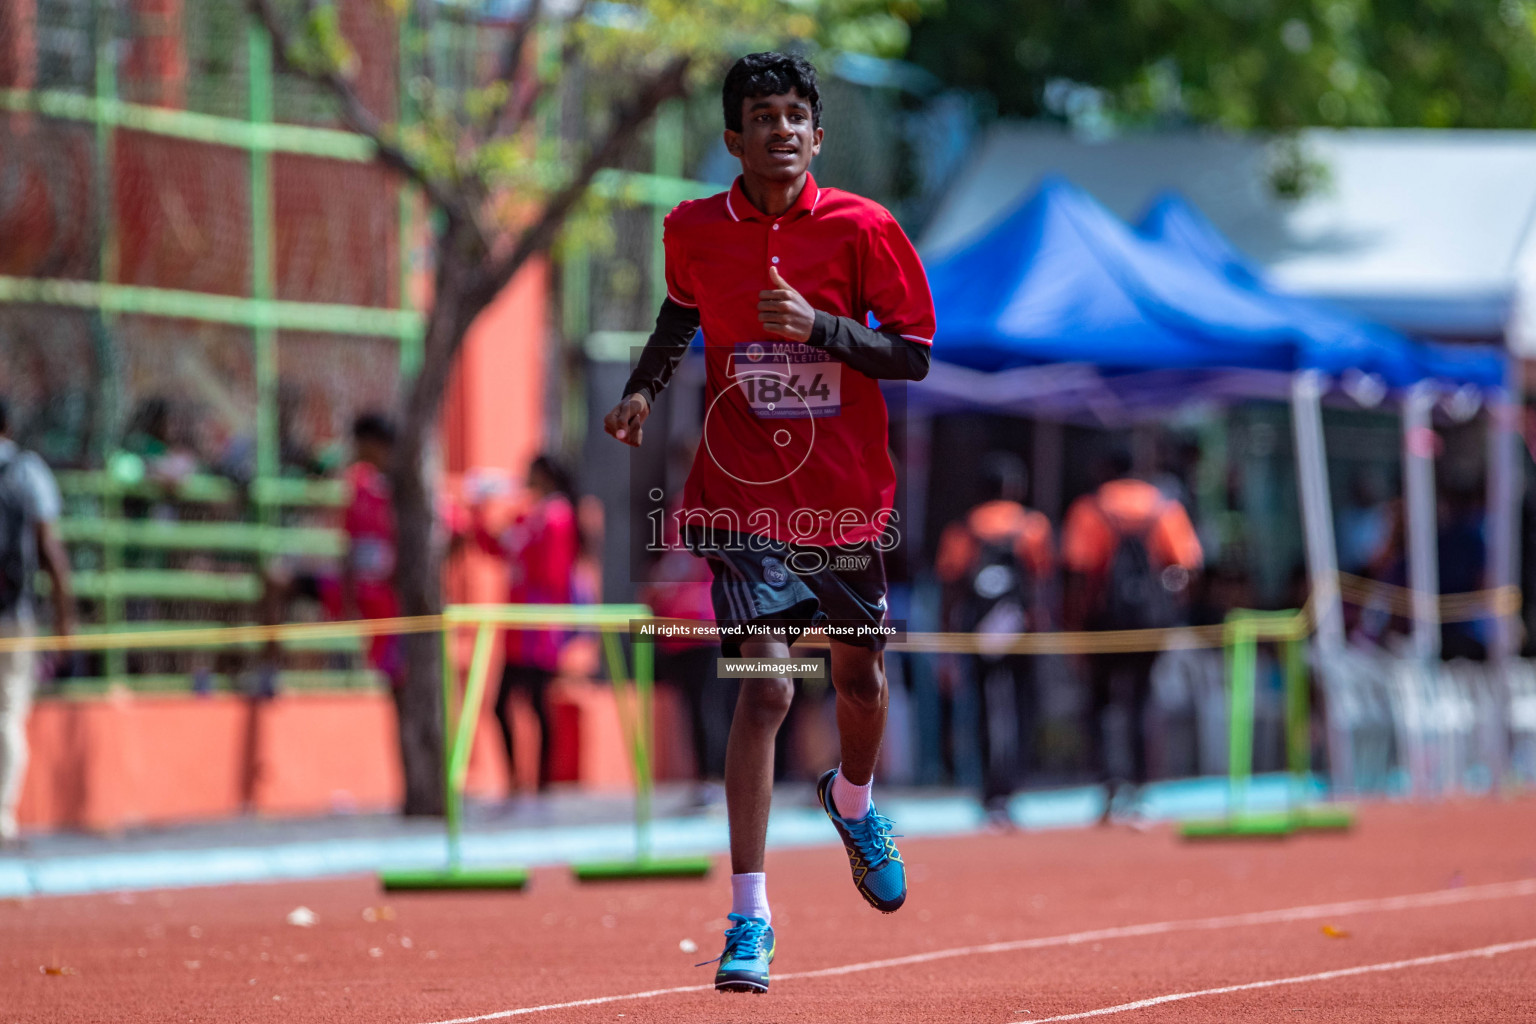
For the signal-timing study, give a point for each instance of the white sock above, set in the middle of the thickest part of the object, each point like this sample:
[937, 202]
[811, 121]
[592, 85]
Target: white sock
[749, 895]
[852, 802]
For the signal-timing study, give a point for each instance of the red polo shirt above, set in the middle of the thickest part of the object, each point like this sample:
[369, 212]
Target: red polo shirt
[794, 443]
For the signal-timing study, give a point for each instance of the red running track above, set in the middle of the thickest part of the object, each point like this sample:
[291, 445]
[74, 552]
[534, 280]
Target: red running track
[1423, 913]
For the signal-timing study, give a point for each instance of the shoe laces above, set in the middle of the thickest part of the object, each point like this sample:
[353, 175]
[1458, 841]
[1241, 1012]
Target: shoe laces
[747, 931]
[872, 834]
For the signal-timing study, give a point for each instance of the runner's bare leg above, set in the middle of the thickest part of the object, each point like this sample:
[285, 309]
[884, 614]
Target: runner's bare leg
[858, 676]
[760, 709]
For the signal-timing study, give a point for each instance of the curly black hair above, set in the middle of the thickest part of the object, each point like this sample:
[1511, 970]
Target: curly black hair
[769, 74]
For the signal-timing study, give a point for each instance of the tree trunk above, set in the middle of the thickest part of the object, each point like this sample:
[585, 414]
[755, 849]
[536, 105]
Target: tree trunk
[419, 560]
[418, 576]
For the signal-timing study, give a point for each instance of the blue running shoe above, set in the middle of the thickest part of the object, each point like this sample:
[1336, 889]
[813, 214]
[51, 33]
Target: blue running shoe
[878, 871]
[749, 949]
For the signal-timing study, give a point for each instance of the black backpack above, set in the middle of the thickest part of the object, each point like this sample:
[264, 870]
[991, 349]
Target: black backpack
[996, 591]
[1134, 595]
[17, 547]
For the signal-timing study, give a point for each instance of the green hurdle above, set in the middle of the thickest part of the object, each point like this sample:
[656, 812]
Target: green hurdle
[636, 719]
[1242, 633]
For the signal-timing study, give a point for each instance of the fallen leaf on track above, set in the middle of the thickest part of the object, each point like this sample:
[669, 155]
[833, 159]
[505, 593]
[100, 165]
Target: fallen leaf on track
[1335, 933]
[57, 972]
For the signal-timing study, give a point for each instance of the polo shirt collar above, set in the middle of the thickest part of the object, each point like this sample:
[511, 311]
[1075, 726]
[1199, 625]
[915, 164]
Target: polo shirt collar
[739, 207]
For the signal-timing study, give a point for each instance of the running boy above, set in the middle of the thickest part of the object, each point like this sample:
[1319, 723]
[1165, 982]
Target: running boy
[790, 495]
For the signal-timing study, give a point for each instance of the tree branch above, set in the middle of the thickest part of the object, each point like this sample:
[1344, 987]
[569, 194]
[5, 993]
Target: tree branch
[512, 61]
[513, 115]
[671, 82]
[357, 115]
[512, 56]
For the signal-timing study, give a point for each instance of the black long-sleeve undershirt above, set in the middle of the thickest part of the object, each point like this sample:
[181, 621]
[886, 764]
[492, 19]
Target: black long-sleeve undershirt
[676, 325]
[876, 354]
[873, 353]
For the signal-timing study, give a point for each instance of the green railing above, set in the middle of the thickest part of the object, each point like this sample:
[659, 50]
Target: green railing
[102, 539]
[102, 543]
[148, 574]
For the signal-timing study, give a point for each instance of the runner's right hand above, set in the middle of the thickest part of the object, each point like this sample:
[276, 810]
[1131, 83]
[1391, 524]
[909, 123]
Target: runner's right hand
[626, 419]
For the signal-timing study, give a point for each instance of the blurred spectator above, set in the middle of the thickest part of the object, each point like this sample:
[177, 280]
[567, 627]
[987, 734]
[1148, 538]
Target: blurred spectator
[541, 547]
[1463, 568]
[364, 587]
[368, 572]
[29, 538]
[679, 589]
[301, 433]
[305, 447]
[158, 437]
[1364, 521]
[1129, 552]
[996, 566]
[1373, 620]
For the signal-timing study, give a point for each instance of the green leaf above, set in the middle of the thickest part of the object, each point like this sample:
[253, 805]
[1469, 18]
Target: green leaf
[1246, 64]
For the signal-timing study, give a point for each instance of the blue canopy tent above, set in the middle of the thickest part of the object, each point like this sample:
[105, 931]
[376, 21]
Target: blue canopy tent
[1129, 323]
[1061, 280]
[1175, 222]
[1424, 368]
[1061, 311]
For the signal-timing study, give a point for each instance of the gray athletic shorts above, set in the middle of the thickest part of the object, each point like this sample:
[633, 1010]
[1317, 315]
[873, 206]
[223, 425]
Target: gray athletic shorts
[758, 579]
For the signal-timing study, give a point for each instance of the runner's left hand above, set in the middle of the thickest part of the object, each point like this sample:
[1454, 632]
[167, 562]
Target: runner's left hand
[783, 311]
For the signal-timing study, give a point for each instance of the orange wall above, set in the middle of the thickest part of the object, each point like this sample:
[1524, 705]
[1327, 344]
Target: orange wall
[125, 761]
[493, 418]
[499, 385]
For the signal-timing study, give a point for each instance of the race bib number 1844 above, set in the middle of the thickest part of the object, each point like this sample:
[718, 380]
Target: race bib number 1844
[787, 380]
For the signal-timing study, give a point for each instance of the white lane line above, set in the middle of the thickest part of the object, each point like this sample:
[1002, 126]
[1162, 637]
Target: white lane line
[1501, 890]
[1300, 979]
[1414, 901]
[595, 1001]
